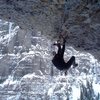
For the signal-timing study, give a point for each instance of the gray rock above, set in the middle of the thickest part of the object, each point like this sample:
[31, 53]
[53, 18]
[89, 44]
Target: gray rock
[48, 16]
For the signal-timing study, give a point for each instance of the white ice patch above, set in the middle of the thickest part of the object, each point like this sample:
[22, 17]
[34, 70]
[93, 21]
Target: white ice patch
[50, 92]
[11, 33]
[8, 81]
[96, 88]
[14, 97]
[75, 93]
[30, 76]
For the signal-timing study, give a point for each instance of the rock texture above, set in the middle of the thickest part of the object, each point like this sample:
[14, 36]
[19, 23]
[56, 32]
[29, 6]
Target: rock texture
[27, 73]
[79, 18]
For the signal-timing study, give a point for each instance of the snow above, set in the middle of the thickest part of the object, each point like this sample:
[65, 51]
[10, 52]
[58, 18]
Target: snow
[75, 93]
[9, 81]
[11, 33]
[50, 92]
[30, 76]
[44, 84]
[96, 88]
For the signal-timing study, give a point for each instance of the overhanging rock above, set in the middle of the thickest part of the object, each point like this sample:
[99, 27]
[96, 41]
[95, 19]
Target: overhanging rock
[80, 19]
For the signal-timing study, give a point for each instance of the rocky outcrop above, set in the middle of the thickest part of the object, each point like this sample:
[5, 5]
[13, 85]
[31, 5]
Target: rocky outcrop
[27, 73]
[79, 18]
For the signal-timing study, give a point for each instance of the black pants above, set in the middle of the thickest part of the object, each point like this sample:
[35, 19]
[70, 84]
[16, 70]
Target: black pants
[70, 62]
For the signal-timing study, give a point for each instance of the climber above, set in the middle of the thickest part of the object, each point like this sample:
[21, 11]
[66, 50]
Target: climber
[58, 59]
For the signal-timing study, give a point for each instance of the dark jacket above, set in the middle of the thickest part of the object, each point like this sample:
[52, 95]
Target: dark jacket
[59, 62]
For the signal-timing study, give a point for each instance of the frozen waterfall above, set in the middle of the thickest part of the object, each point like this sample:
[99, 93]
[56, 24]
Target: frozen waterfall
[26, 71]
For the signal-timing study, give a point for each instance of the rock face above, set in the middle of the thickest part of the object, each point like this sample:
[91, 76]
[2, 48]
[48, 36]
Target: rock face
[27, 73]
[79, 18]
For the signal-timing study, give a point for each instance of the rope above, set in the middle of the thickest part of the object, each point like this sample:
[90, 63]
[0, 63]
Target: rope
[62, 30]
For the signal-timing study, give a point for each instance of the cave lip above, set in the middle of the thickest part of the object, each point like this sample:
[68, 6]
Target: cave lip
[80, 18]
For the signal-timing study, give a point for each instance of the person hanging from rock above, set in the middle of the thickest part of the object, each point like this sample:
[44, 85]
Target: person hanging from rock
[58, 59]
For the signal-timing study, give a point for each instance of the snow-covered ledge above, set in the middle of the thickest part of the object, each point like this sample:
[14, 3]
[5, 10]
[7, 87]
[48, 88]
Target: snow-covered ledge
[82, 20]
